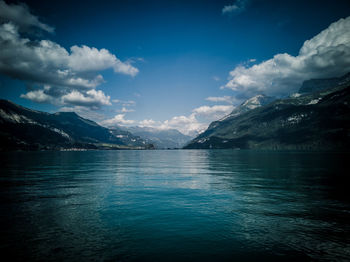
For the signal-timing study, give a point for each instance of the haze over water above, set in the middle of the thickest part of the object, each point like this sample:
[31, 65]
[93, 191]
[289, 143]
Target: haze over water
[179, 205]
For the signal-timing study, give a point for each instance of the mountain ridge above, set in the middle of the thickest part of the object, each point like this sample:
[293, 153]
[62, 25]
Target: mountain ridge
[26, 129]
[162, 139]
[316, 120]
[319, 84]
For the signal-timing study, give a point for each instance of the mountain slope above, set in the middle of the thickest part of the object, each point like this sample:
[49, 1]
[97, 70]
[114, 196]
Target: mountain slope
[251, 103]
[162, 139]
[130, 139]
[313, 85]
[320, 120]
[23, 128]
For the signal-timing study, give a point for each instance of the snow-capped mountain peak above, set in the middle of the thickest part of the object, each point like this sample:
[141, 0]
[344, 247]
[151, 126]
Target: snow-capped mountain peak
[250, 104]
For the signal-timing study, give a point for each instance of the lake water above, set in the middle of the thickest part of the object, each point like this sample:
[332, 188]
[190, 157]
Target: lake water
[180, 205]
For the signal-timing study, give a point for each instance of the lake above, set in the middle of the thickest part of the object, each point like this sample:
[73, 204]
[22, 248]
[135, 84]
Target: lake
[175, 205]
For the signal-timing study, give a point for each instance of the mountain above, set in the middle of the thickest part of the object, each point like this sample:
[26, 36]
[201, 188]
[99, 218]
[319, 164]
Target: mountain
[317, 120]
[314, 85]
[162, 139]
[130, 139]
[251, 103]
[26, 129]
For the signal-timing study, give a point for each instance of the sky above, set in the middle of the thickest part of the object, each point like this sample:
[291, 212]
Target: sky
[166, 64]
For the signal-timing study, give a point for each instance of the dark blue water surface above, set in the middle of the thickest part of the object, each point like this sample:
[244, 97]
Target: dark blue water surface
[180, 205]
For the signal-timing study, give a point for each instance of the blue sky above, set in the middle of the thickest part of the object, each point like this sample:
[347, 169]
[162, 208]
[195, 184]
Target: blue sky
[166, 64]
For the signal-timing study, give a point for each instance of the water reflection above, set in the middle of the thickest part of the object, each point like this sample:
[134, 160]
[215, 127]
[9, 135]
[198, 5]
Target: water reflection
[174, 205]
[283, 199]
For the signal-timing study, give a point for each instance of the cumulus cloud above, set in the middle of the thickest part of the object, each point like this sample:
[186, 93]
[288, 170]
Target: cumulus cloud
[71, 75]
[38, 96]
[226, 99]
[92, 98]
[237, 7]
[213, 112]
[188, 125]
[325, 55]
[85, 58]
[198, 120]
[147, 123]
[20, 15]
[53, 64]
[193, 124]
[117, 120]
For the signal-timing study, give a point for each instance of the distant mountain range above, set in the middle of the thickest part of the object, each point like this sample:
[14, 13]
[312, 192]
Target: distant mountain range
[161, 139]
[318, 117]
[25, 129]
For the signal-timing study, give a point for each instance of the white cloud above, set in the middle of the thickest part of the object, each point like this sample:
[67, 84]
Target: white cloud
[37, 96]
[226, 99]
[147, 123]
[53, 64]
[237, 7]
[20, 15]
[325, 55]
[215, 78]
[90, 98]
[117, 120]
[187, 125]
[126, 110]
[213, 112]
[230, 9]
[191, 125]
[86, 58]
[71, 74]
[124, 102]
[93, 99]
